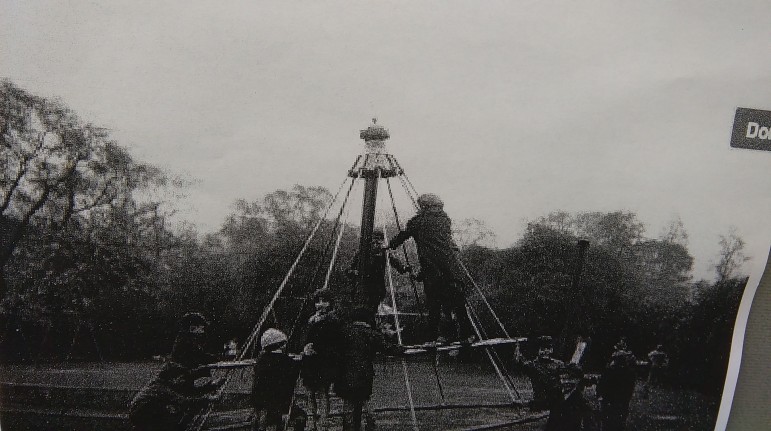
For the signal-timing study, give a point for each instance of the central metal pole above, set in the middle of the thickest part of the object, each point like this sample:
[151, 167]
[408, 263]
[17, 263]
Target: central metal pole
[365, 241]
[375, 164]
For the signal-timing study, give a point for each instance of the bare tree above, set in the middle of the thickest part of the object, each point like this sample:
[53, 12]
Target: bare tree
[675, 233]
[55, 167]
[732, 255]
[472, 232]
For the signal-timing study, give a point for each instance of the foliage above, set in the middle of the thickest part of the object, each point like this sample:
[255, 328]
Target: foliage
[86, 254]
[731, 255]
[233, 273]
[55, 167]
[703, 345]
[77, 230]
[472, 232]
[631, 286]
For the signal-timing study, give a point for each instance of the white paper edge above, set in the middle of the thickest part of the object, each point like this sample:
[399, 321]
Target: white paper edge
[737, 346]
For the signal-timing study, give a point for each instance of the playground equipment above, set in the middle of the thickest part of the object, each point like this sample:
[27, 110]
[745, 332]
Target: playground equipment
[374, 168]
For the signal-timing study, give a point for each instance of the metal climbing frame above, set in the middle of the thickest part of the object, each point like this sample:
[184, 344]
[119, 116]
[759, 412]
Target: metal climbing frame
[375, 165]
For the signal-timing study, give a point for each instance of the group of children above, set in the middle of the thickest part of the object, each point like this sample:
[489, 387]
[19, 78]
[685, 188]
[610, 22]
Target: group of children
[341, 351]
[558, 387]
[338, 351]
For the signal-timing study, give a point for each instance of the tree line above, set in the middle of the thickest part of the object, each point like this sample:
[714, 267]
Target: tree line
[630, 287]
[91, 269]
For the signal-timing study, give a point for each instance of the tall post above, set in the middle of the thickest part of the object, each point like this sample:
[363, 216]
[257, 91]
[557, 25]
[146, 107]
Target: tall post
[367, 222]
[375, 164]
[575, 322]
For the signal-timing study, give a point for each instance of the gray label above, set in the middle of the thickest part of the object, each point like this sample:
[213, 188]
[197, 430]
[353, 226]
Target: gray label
[752, 129]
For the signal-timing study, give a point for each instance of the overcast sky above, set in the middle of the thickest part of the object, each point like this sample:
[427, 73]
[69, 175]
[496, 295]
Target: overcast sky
[508, 110]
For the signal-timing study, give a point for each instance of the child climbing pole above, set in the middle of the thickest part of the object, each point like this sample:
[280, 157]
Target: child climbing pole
[374, 272]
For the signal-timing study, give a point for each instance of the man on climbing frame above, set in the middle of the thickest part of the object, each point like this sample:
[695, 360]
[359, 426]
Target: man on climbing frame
[441, 271]
[375, 272]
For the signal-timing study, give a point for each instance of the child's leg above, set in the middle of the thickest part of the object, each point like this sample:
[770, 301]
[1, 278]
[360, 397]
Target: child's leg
[324, 418]
[434, 308]
[259, 419]
[348, 407]
[369, 419]
[273, 420]
[314, 409]
[298, 418]
[357, 411]
[456, 302]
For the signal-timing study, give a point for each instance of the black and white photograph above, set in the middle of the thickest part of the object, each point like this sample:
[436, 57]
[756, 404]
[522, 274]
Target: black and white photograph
[379, 215]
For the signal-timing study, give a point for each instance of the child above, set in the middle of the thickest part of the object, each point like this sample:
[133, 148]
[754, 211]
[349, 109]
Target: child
[230, 350]
[354, 385]
[183, 387]
[659, 361]
[275, 375]
[375, 271]
[320, 360]
[162, 404]
[189, 351]
[441, 271]
[545, 373]
[616, 387]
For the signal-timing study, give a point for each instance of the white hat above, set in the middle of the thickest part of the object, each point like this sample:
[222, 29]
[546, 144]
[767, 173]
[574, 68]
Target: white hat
[272, 337]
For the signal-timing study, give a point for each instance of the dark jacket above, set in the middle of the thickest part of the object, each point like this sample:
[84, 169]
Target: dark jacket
[324, 333]
[162, 404]
[617, 382]
[658, 359]
[320, 369]
[188, 352]
[546, 378]
[437, 251]
[360, 345]
[375, 271]
[273, 386]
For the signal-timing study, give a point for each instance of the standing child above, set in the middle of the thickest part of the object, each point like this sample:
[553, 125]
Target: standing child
[320, 363]
[441, 270]
[659, 361]
[360, 345]
[545, 374]
[275, 375]
[616, 388]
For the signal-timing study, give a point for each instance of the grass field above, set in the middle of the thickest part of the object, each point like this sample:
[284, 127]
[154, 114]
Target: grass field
[462, 384]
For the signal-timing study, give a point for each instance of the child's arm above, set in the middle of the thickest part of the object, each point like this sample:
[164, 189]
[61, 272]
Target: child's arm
[353, 270]
[386, 346]
[399, 239]
[398, 264]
